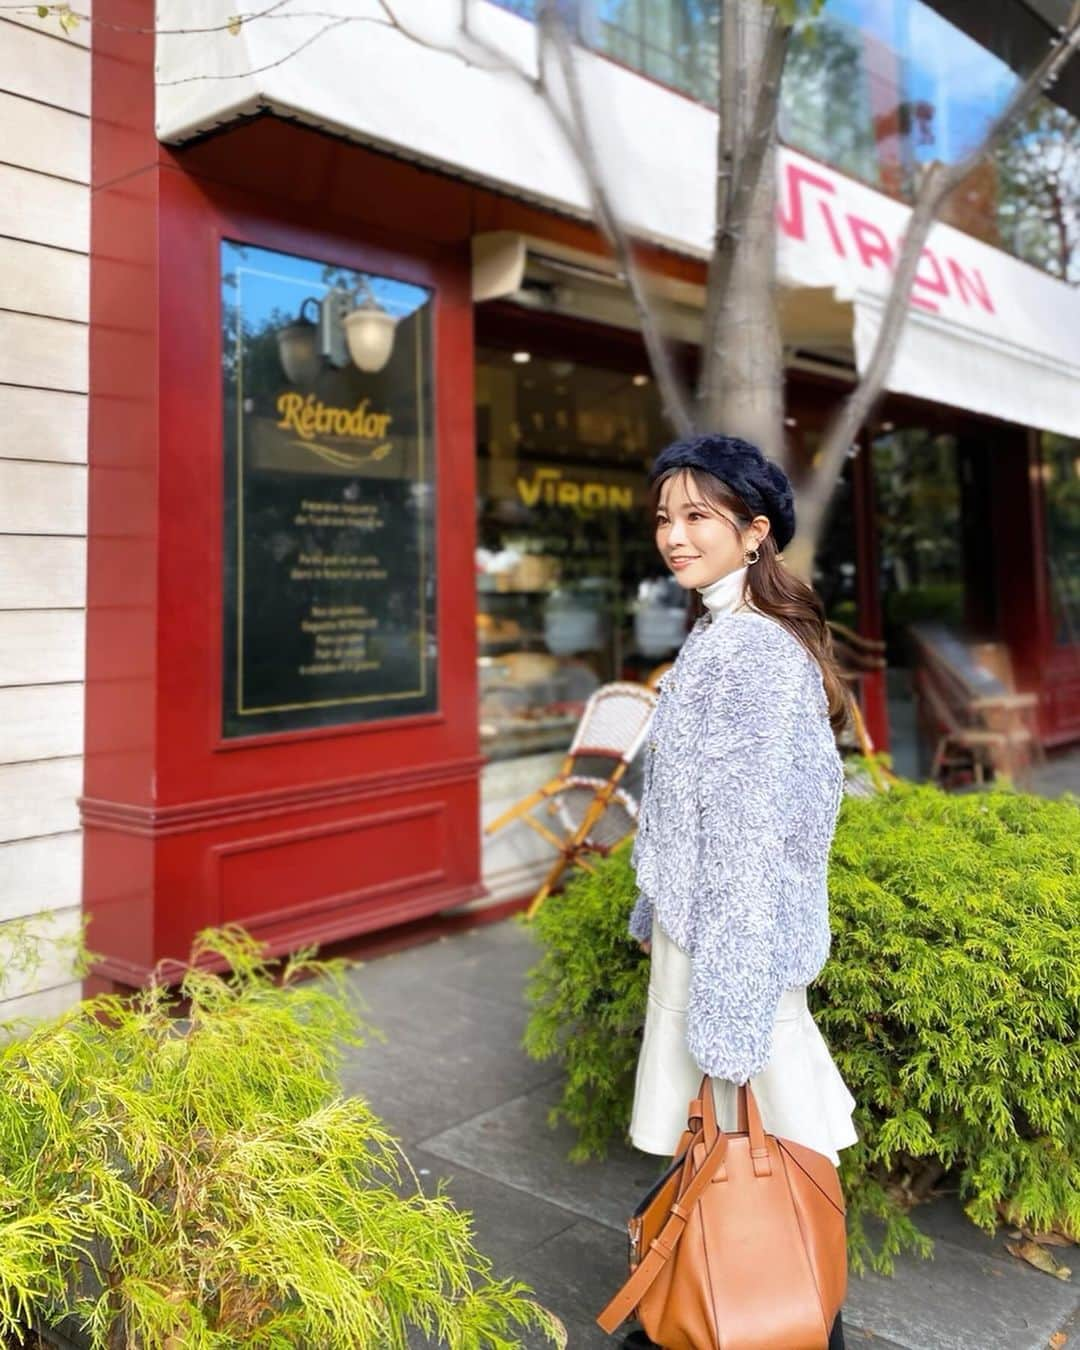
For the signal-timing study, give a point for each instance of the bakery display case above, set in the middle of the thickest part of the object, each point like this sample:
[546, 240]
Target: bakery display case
[564, 545]
[533, 645]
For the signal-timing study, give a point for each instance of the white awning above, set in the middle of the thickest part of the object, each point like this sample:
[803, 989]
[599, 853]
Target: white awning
[987, 333]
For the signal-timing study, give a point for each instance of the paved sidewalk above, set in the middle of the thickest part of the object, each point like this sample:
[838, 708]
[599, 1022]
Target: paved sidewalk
[452, 1080]
[1058, 773]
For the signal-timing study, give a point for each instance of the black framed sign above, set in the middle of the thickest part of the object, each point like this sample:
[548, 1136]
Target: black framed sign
[329, 575]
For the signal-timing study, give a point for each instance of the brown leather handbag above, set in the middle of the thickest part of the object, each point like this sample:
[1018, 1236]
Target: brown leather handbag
[740, 1245]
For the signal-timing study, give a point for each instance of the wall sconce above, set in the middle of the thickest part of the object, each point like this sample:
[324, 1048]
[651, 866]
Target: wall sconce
[369, 331]
[352, 327]
[298, 347]
[355, 327]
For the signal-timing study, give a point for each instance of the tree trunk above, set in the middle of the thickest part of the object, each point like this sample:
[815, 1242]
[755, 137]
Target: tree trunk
[741, 389]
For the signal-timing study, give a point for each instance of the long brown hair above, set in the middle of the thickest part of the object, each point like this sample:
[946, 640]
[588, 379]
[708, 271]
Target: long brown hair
[774, 589]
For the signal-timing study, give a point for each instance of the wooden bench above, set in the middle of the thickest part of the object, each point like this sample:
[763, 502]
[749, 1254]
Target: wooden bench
[967, 702]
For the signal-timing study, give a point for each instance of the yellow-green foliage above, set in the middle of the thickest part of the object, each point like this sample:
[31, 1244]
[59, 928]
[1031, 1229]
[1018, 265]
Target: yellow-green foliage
[203, 1184]
[951, 1002]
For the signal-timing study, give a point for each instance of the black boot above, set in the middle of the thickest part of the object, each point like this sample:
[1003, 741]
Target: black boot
[637, 1340]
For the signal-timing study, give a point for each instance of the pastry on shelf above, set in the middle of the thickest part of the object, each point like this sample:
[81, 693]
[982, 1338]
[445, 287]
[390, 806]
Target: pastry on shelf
[528, 667]
[496, 628]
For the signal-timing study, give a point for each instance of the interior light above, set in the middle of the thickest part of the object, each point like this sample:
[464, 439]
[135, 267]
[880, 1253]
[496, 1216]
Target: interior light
[639, 380]
[521, 358]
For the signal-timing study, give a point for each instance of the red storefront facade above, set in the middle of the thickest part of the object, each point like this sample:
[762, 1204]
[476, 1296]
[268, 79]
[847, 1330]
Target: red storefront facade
[330, 832]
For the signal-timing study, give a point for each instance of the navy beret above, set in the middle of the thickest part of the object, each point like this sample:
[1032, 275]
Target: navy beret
[761, 484]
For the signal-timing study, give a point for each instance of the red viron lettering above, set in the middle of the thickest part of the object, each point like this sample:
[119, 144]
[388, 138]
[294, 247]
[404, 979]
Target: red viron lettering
[870, 242]
[873, 248]
[793, 220]
[935, 283]
[971, 285]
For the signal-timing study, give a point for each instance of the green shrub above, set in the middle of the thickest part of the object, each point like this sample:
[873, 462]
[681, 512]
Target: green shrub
[951, 1002]
[202, 1183]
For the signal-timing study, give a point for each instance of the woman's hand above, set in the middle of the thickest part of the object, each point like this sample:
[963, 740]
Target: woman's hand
[646, 947]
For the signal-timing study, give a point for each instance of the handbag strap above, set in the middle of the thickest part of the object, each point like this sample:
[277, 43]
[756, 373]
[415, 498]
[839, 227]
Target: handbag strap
[662, 1247]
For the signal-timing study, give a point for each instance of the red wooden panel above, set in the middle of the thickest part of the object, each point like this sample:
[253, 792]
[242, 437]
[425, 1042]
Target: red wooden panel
[327, 866]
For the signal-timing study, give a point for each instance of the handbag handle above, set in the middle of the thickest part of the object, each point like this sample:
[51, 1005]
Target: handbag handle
[750, 1123]
[749, 1118]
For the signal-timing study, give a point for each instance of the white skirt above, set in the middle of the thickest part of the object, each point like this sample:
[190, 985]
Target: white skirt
[799, 1093]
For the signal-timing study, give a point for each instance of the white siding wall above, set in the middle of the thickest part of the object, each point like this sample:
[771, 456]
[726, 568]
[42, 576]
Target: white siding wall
[44, 300]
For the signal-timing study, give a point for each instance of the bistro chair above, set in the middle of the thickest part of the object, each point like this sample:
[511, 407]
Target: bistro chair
[589, 813]
[969, 706]
[652, 680]
[857, 656]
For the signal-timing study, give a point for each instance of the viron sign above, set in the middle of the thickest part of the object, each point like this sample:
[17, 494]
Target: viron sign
[809, 190]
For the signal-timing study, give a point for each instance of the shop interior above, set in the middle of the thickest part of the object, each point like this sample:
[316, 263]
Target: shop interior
[571, 594]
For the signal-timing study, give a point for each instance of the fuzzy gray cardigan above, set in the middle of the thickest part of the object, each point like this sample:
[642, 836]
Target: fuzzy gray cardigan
[742, 789]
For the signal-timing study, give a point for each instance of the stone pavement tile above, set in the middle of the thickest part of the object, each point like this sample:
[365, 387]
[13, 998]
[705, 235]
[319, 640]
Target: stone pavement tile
[512, 1143]
[448, 1053]
[966, 1298]
[489, 962]
[421, 1090]
[1058, 773]
[944, 1218]
[579, 1336]
[857, 1339]
[427, 1005]
[574, 1273]
[508, 1223]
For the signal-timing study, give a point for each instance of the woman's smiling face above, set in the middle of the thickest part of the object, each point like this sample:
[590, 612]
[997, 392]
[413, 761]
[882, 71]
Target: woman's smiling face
[700, 541]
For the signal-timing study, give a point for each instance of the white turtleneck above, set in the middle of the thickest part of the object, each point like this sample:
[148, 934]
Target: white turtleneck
[725, 595]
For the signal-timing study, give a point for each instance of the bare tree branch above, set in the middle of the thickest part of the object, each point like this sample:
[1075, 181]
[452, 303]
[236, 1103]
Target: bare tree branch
[573, 126]
[281, 60]
[497, 56]
[939, 182]
[84, 16]
[237, 22]
[575, 129]
[552, 34]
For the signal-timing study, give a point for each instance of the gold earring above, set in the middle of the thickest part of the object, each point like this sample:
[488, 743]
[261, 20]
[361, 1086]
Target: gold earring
[751, 555]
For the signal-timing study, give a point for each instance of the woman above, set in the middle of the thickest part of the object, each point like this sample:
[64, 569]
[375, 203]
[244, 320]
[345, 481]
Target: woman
[743, 784]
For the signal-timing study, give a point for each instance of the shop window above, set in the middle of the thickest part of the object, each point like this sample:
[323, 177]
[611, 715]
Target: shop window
[917, 494]
[1061, 493]
[329, 550]
[835, 561]
[879, 91]
[826, 99]
[1038, 167]
[672, 41]
[570, 590]
[918, 507]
